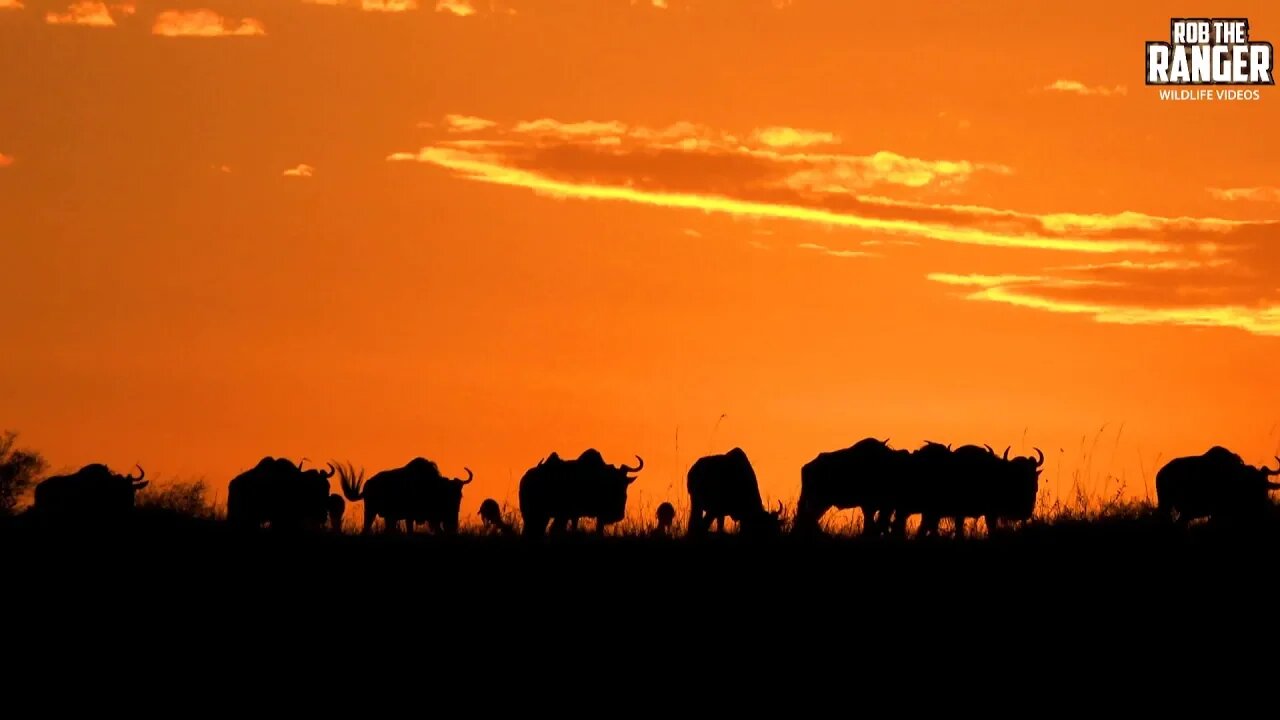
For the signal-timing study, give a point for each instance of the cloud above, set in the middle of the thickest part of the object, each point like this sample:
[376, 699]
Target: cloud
[204, 23]
[385, 6]
[465, 123]
[5, 160]
[686, 165]
[1136, 267]
[88, 13]
[1255, 194]
[1260, 317]
[461, 8]
[10, 5]
[836, 253]
[547, 127]
[691, 233]
[1079, 88]
[785, 137]
[301, 171]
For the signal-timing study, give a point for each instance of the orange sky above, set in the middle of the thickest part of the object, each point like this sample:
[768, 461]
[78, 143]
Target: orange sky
[319, 229]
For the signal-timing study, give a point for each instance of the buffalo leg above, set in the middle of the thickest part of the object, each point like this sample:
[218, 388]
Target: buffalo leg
[871, 520]
[958, 521]
[369, 517]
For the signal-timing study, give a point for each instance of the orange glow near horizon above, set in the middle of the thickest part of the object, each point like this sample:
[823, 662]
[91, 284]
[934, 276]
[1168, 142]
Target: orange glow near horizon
[482, 231]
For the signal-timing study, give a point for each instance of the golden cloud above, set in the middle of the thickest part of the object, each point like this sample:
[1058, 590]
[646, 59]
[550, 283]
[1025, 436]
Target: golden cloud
[10, 5]
[467, 123]
[5, 160]
[461, 8]
[301, 171]
[1159, 270]
[1255, 194]
[786, 137]
[1078, 88]
[204, 23]
[88, 13]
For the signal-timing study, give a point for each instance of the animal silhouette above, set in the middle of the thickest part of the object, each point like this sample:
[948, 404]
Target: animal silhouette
[278, 493]
[491, 515]
[93, 492]
[860, 476]
[561, 492]
[970, 481]
[666, 516]
[415, 493]
[725, 486]
[1217, 484]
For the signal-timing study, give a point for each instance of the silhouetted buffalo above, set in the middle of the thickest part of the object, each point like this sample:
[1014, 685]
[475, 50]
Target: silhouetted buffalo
[861, 476]
[721, 485]
[283, 495]
[968, 482]
[564, 491]
[415, 493]
[1217, 484]
[92, 492]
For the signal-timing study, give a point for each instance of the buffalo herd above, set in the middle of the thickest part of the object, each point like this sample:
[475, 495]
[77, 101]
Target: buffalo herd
[888, 485]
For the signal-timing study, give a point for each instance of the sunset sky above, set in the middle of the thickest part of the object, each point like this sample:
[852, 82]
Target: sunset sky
[482, 231]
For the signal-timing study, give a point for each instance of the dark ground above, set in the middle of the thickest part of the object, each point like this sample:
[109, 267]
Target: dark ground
[1091, 605]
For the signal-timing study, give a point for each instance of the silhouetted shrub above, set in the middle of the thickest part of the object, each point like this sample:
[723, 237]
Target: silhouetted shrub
[18, 472]
[183, 498]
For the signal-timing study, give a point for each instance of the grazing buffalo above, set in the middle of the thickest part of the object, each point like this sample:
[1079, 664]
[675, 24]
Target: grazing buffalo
[564, 491]
[415, 493]
[283, 495]
[967, 482]
[725, 485]
[92, 492]
[1217, 485]
[861, 476]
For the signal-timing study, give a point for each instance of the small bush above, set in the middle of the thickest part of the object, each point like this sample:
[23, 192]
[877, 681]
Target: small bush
[188, 498]
[18, 472]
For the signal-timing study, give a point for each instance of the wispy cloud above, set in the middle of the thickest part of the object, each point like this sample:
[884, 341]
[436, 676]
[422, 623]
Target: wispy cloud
[5, 160]
[1078, 88]
[461, 8]
[386, 6]
[204, 23]
[550, 128]
[466, 123]
[687, 165]
[1153, 269]
[836, 253]
[1105, 303]
[301, 171]
[11, 5]
[88, 13]
[1255, 194]
[786, 137]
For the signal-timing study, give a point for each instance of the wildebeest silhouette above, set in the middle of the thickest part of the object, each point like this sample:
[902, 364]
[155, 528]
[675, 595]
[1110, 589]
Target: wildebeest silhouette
[970, 481]
[860, 476]
[725, 485]
[666, 515]
[278, 493]
[93, 492]
[1218, 485]
[564, 491]
[491, 515]
[415, 493]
